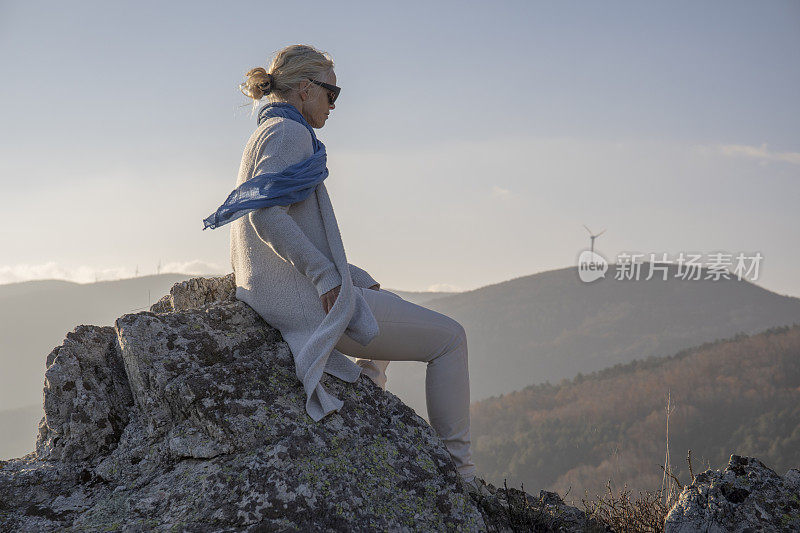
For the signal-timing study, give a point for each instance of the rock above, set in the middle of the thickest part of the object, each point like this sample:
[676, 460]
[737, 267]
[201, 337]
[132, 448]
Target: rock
[745, 497]
[86, 397]
[190, 417]
[515, 510]
[196, 292]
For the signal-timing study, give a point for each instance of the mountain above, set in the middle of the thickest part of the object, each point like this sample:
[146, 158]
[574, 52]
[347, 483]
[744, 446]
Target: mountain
[551, 326]
[419, 297]
[192, 419]
[528, 330]
[736, 396]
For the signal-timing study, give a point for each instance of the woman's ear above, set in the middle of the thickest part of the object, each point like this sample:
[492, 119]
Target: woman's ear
[304, 91]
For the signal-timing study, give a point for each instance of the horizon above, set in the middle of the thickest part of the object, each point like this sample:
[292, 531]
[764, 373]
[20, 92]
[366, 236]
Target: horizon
[609, 276]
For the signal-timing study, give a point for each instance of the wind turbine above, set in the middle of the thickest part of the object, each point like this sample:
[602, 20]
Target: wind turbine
[593, 237]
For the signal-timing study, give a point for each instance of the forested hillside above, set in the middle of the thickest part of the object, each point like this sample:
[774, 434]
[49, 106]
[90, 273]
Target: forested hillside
[733, 396]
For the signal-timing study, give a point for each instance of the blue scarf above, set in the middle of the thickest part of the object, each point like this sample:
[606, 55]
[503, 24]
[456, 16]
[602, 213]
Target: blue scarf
[293, 184]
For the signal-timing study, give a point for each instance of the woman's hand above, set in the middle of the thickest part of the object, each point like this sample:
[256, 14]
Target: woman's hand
[329, 298]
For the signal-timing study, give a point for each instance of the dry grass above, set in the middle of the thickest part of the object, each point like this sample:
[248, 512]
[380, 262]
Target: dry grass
[625, 513]
[644, 513]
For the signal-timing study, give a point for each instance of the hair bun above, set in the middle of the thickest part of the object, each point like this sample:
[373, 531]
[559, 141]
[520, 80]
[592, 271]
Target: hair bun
[266, 87]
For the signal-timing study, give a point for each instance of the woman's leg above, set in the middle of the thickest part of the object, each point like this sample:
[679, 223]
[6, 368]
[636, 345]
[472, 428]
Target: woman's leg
[376, 370]
[410, 332]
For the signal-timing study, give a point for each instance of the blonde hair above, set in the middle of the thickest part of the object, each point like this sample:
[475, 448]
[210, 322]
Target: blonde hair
[290, 66]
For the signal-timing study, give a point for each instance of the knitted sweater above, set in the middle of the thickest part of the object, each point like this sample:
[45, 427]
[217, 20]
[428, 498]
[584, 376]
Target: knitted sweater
[285, 257]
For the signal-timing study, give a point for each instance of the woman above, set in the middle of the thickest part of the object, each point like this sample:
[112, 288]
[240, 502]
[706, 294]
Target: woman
[290, 264]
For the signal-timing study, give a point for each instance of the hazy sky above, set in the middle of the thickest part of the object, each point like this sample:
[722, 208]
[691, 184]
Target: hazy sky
[469, 145]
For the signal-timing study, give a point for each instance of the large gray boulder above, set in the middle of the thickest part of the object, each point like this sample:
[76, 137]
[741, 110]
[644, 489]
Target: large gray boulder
[744, 497]
[189, 417]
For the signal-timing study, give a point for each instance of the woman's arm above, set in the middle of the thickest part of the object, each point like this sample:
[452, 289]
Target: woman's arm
[290, 145]
[279, 230]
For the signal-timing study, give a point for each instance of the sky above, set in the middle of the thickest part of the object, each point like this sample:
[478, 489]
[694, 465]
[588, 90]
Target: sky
[470, 144]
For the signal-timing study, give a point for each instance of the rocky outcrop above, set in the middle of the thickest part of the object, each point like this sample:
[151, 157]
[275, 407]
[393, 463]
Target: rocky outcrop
[744, 497]
[189, 417]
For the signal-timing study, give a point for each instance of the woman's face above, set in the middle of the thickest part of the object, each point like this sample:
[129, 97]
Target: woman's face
[316, 108]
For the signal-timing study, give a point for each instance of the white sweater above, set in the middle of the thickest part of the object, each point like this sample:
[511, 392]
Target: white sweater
[285, 257]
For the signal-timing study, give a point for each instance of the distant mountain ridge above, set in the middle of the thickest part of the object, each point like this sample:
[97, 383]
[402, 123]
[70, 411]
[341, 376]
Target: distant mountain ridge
[543, 327]
[420, 297]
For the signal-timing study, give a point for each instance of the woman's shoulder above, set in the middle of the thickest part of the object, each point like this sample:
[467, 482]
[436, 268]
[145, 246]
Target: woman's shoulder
[283, 130]
[280, 137]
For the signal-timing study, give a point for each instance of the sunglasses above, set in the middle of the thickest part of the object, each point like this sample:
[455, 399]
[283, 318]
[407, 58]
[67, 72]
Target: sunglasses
[333, 90]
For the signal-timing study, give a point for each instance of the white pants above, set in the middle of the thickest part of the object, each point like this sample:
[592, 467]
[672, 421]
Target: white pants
[410, 332]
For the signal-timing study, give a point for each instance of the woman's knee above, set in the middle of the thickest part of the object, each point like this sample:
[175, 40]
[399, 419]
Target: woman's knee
[459, 336]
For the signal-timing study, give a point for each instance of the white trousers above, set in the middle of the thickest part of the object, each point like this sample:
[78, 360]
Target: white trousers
[410, 332]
